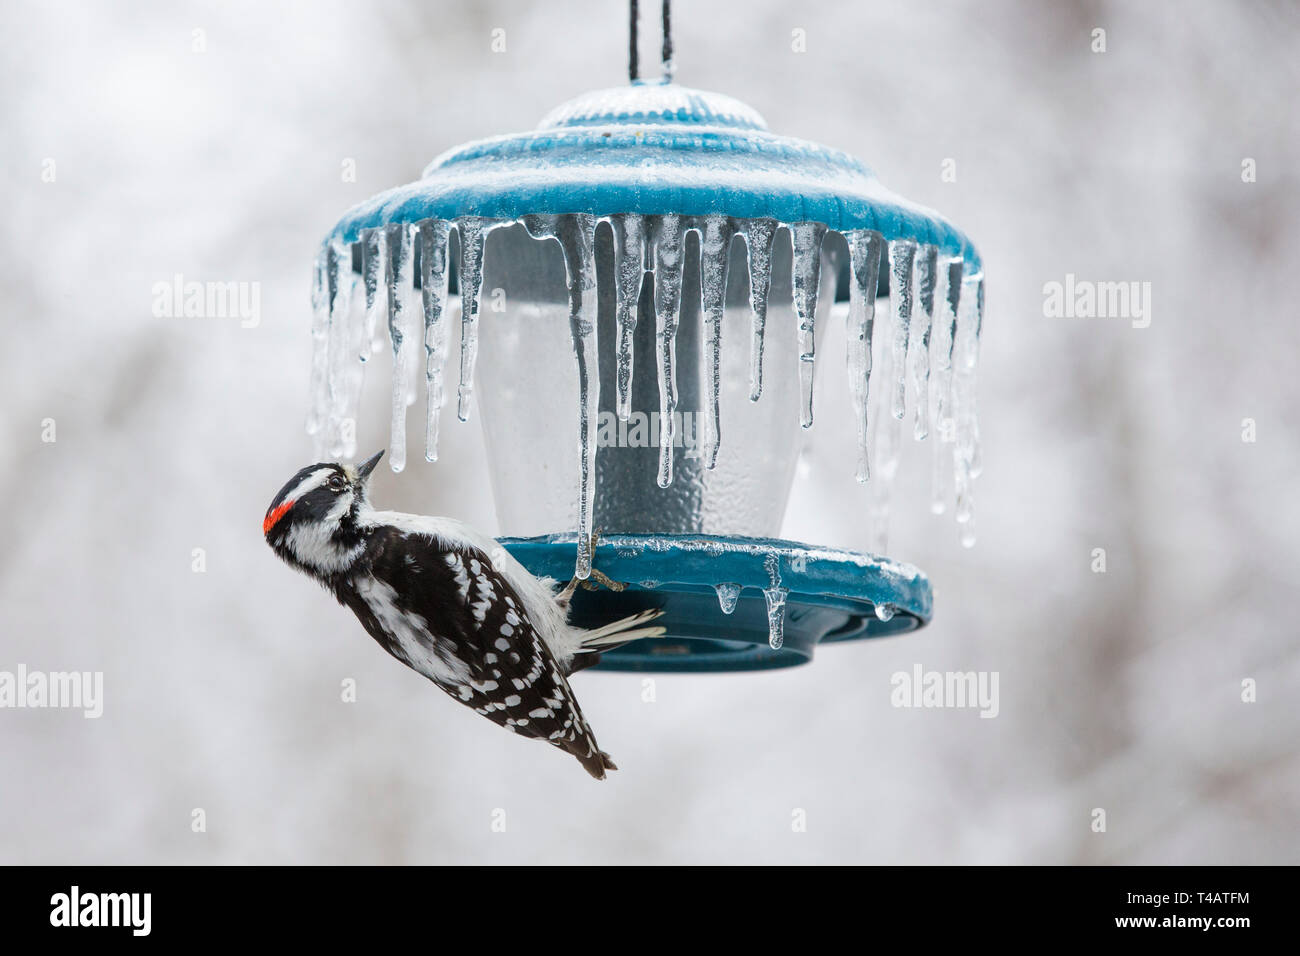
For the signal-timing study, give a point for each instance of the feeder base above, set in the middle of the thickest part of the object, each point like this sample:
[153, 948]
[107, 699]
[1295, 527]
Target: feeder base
[832, 596]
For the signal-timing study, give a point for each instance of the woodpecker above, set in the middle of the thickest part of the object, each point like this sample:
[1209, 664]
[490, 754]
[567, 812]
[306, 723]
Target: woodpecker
[450, 603]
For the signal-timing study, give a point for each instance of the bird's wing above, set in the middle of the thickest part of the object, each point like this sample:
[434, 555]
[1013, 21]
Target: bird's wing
[447, 612]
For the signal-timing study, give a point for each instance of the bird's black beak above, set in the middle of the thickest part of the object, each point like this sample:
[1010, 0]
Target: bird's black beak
[366, 467]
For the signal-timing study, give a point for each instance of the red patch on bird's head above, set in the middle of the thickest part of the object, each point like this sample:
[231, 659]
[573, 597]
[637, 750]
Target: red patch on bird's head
[274, 515]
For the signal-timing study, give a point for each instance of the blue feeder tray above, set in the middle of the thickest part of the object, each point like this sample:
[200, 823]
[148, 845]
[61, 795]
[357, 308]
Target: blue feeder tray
[833, 596]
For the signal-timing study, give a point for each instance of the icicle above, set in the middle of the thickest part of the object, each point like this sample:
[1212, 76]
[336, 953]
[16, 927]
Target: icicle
[320, 322]
[472, 235]
[715, 247]
[948, 294]
[775, 596]
[433, 235]
[354, 371]
[759, 234]
[629, 273]
[919, 338]
[339, 264]
[976, 455]
[668, 299]
[728, 595]
[398, 277]
[806, 274]
[373, 248]
[889, 422]
[864, 253]
[963, 402]
[902, 254]
[885, 612]
[577, 237]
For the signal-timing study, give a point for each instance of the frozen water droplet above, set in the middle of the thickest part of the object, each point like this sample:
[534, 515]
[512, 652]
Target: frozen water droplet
[728, 595]
[864, 254]
[884, 612]
[967, 532]
[629, 274]
[473, 232]
[715, 246]
[759, 234]
[668, 299]
[806, 275]
[433, 235]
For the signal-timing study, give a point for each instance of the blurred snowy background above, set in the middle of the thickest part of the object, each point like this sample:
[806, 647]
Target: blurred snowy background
[1119, 691]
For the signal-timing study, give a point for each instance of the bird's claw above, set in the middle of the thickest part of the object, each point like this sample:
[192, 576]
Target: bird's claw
[595, 579]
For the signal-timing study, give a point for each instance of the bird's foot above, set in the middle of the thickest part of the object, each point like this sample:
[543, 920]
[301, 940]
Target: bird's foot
[595, 580]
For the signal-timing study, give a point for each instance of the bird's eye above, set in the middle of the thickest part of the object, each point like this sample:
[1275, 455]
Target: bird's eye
[336, 483]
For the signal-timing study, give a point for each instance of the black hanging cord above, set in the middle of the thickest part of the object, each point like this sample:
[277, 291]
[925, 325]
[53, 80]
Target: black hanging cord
[634, 16]
[631, 48]
[668, 41]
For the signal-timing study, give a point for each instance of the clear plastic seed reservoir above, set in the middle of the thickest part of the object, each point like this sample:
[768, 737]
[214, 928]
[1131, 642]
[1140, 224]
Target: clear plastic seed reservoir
[661, 269]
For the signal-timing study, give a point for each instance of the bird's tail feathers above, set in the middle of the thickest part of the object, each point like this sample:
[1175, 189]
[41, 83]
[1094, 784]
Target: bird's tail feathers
[623, 630]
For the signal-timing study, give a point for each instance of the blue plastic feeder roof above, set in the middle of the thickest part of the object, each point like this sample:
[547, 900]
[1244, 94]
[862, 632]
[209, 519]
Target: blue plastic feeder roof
[655, 149]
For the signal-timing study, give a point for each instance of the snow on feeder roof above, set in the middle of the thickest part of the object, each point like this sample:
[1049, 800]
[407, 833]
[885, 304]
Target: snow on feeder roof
[644, 189]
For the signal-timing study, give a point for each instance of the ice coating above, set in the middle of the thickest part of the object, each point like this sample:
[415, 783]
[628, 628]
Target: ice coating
[774, 595]
[759, 234]
[433, 234]
[669, 242]
[931, 343]
[629, 273]
[715, 247]
[864, 263]
[919, 338]
[807, 269]
[473, 232]
[728, 595]
[577, 237]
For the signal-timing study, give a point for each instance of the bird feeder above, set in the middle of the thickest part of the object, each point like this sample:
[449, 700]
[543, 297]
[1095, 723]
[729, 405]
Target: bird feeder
[646, 276]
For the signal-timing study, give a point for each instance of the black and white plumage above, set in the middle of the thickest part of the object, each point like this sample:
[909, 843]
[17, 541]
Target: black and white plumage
[450, 603]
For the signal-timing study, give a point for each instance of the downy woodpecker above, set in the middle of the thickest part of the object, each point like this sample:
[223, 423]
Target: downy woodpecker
[450, 603]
